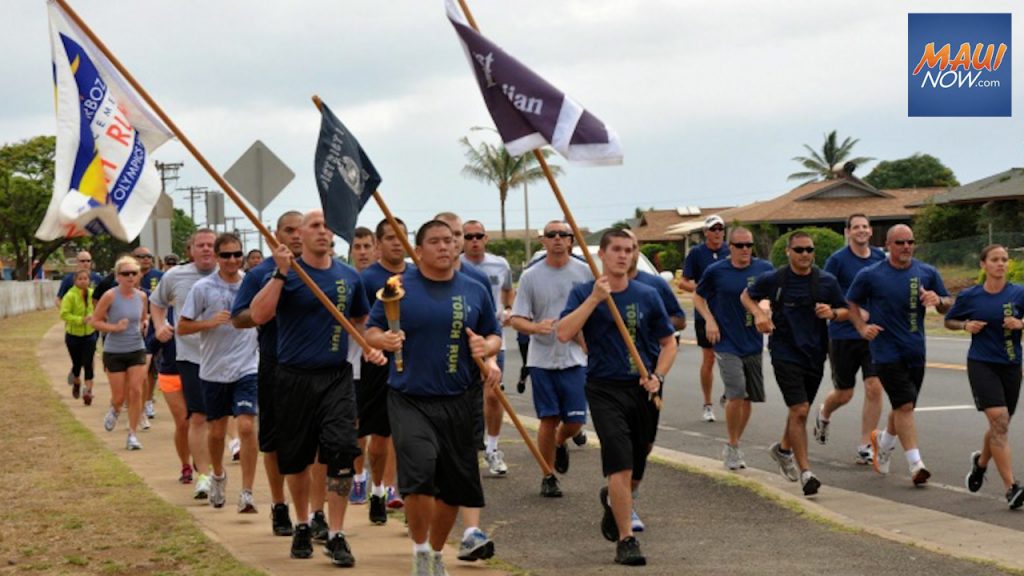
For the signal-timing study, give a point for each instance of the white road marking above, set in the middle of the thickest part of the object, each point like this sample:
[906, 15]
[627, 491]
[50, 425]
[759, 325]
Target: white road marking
[945, 408]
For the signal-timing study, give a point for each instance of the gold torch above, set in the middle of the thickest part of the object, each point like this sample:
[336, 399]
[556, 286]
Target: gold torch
[391, 295]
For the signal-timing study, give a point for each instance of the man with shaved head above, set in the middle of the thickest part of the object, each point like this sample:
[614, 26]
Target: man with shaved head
[897, 291]
[82, 262]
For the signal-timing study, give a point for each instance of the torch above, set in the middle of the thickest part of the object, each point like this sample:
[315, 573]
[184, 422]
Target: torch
[391, 295]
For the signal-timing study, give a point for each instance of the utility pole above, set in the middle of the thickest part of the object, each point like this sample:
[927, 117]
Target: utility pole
[193, 193]
[168, 173]
[229, 223]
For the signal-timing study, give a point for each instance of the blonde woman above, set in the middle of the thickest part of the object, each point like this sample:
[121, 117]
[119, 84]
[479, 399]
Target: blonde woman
[121, 313]
[76, 309]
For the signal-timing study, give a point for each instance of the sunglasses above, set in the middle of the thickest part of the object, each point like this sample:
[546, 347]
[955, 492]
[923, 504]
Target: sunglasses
[747, 245]
[226, 255]
[83, 261]
[803, 249]
[475, 236]
[554, 234]
[128, 273]
[904, 242]
[141, 256]
[716, 229]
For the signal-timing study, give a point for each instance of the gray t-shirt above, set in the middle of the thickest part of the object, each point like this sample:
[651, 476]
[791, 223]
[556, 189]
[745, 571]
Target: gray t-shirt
[226, 353]
[543, 292]
[499, 275]
[172, 291]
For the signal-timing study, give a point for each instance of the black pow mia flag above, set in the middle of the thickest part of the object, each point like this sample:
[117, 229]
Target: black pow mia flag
[344, 174]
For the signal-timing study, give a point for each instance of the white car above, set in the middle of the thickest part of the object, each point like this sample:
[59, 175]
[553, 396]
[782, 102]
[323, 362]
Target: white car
[643, 264]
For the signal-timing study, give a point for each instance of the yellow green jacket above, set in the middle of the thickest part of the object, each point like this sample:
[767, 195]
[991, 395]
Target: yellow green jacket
[73, 311]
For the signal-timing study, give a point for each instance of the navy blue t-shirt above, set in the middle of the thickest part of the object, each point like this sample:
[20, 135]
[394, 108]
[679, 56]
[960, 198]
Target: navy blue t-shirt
[994, 343]
[375, 276]
[893, 296]
[668, 297]
[799, 336]
[168, 364]
[252, 283]
[721, 286]
[844, 265]
[434, 316]
[646, 320]
[68, 281]
[308, 336]
[699, 258]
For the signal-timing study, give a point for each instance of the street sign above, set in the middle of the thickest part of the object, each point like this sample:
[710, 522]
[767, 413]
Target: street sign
[214, 208]
[259, 175]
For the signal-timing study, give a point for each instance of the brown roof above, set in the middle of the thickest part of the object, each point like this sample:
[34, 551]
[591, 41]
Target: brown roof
[831, 201]
[653, 223]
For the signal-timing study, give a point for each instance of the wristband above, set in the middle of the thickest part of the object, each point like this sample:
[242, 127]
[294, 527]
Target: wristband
[278, 275]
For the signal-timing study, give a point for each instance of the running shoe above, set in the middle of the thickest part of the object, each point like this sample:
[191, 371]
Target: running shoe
[865, 455]
[318, 526]
[1015, 496]
[186, 475]
[339, 552]
[476, 546]
[521, 385]
[919, 474]
[236, 449]
[609, 529]
[561, 458]
[378, 510]
[809, 482]
[302, 542]
[820, 427]
[218, 487]
[394, 499]
[76, 390]
[786, 462]
[110, 420]
[144, 424]
[357, 495]
[635, 522]
[496, 463]
[71, 379]
[149, 410]
[422, 563]
[976, 477]
[437, 565]
[280, 522]
[882, 457]
[246, 504]
[732, 458]
[580, 439]
[709, 414]
[202, 491]
[627, 553]
[87, 397]
[133, 442]
[549, 487]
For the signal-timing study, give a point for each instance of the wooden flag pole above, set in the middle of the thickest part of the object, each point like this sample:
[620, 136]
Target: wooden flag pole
[581, 241]
[215, 175]
[480, 363]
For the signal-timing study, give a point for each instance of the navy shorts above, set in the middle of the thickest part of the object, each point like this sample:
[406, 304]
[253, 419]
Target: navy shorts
[192, 387]
[236, 398]
[560, 393]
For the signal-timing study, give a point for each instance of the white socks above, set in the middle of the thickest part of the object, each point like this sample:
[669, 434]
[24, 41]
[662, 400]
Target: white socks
[492, 443]
[887, 441]
[913, 456]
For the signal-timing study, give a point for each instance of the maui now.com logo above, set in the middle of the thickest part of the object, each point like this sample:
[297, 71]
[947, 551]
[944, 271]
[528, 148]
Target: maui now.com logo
[959, 65]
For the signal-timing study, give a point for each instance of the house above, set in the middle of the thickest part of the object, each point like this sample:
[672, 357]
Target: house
[1008, 185]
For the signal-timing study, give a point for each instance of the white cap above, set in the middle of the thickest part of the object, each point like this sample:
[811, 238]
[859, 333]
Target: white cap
[713, 220]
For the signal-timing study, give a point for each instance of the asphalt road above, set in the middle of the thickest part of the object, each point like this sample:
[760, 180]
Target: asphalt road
[949, 429]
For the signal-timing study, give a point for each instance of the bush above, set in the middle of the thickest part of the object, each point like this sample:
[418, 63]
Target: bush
[652, 250]
[668, 259]
[825, 243]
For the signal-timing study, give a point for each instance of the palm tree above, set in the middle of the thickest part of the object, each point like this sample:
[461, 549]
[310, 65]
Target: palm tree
[494, 165]
[821, 165]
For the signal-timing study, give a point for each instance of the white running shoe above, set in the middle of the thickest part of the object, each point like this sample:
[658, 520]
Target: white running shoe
[133, 442]
[110, 420]
[218, 487]
[202, 491]
[144, 424]
[149, 410]
[246, 503]
[236, 449]
[709, 414]
[919, 474]
[496, 463]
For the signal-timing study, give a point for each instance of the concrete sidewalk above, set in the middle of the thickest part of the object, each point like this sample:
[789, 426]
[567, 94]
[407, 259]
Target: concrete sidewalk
[379, 550]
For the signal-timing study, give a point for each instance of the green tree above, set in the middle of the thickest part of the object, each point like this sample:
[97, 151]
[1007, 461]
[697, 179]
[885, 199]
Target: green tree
[624, 224]
[182, 227]
[494, 165]
[26, 186]
[820, 165]
[941, 222]
[826, 242]
[917, 171]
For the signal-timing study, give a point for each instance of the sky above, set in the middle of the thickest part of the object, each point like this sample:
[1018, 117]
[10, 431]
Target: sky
[711, 100]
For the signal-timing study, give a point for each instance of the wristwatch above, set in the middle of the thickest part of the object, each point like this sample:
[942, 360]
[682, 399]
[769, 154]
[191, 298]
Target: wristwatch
[279, 276]
[660, 377]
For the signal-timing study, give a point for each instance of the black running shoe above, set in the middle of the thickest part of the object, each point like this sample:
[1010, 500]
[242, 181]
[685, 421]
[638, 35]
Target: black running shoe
[976, 477]
[549, 487]
[580, 438]
[338, 551]
[1015, 496]
[280, 521]
[609, 529]
[302, 542]
[627, 553]
[318, 526]
[562, 458]
[378, 510]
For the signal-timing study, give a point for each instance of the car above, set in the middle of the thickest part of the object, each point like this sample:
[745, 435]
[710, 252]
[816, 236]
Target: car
[643, 264]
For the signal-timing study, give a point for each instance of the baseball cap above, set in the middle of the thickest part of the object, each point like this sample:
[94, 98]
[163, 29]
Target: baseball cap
[713, 220]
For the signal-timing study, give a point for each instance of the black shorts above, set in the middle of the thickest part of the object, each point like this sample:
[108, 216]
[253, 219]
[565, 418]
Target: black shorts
[846, 358]
[372, 400]
[476, 397]
[902, 383]
[192, 387]
[434, 447]
[122, 361]
[700, 327]
[622, 419]
[316, 414]
[798, 383]
[265, 379]
[994, 385]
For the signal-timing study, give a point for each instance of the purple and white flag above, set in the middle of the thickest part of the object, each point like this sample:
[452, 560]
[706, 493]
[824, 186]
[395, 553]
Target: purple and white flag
[528, 111]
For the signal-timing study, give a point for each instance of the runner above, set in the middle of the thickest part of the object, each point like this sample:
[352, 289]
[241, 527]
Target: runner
[697, 261]
[121, 313]
[169, 381]
[149, 281]
[84, 262]
[991, 313]
[557, 370]
[227, 367]
[446, 318]
[897, 291]
[618, 399]
[362, 253]
[803, 299]
[253, 259]
[76, 310]
[730, 328]
[848, 352]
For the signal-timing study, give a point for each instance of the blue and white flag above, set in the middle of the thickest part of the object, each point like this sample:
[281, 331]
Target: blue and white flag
[528, 111]
[104, 181]
[344, 174]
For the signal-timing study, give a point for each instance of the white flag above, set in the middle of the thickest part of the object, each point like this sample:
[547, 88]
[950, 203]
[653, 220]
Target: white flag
[105, 181]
